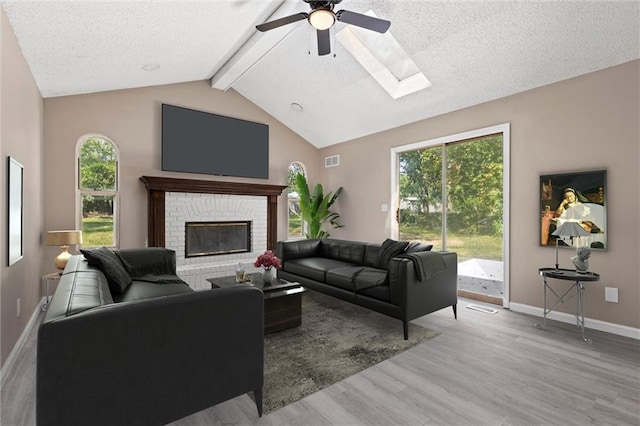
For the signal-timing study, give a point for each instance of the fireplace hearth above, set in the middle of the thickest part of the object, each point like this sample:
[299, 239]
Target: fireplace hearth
[216, 238]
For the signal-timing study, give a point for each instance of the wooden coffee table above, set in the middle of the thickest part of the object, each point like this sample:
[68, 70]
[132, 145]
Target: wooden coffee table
[282, 301]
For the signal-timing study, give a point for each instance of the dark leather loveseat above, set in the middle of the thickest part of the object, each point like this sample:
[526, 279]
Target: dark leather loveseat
[148, 354]
[401, 280]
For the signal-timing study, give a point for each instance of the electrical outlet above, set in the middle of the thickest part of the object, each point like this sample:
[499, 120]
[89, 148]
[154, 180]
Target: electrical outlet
[18, 308]
[611, 294]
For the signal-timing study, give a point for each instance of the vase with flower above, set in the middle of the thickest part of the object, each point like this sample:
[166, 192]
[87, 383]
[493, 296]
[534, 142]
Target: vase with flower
[269, 262]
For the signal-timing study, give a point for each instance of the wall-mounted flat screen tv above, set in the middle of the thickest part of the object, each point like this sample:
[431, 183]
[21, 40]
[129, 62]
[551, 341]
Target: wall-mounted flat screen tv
[201, 142]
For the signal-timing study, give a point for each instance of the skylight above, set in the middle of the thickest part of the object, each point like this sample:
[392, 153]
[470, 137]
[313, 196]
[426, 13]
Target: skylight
[383, 57]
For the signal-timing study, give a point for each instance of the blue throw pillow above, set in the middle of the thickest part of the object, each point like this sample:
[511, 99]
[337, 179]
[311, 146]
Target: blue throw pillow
[111, 266]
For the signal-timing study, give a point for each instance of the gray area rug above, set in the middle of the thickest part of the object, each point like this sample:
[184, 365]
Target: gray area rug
[336, 340]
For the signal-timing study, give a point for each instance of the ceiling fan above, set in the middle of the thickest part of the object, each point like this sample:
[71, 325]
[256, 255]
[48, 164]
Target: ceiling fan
[322, 19]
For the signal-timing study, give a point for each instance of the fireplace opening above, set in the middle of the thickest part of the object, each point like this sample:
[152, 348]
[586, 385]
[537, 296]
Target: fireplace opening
[216, 238]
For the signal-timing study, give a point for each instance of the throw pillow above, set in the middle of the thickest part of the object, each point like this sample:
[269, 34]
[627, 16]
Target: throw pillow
[416, 246]
[107, 261]
[389, 249]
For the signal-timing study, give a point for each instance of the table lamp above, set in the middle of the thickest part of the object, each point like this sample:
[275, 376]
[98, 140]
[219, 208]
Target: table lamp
[63, 239]
[568, 229]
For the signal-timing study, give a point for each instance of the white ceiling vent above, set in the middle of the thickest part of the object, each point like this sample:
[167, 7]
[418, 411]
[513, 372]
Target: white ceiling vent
[332, 161]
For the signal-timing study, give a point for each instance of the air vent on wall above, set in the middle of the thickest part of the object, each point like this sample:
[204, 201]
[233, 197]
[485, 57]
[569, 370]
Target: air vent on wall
[332, 161]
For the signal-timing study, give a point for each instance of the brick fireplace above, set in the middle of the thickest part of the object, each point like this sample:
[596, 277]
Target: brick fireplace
[172, 203]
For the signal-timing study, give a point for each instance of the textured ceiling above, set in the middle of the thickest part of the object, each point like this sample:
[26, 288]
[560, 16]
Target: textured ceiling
[471, 52]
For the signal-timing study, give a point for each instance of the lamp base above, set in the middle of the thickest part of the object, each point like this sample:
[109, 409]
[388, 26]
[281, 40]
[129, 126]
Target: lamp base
[61, 260]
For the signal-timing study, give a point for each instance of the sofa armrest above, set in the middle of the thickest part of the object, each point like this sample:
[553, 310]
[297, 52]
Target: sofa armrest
[295, 249]
[150, 361]
[419, 298]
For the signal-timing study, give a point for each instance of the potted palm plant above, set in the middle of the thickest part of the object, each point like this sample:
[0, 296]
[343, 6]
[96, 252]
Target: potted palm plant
[315, 208]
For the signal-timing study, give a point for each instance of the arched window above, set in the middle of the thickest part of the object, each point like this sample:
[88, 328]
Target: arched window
[97, 194]
[295, 220]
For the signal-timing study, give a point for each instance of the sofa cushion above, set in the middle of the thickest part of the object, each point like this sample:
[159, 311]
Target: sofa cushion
[416, 246]
[79, 291]
[314, 268]
[390, 249]
[139, 290]
[111, 266]
[343, 277]
[370, 277]
[347, 251]
[89, 291]
[299, 248]
[356, 277]
[371, 255]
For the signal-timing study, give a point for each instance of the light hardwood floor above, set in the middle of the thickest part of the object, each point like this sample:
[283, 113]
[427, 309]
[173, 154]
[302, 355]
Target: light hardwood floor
[482, 370]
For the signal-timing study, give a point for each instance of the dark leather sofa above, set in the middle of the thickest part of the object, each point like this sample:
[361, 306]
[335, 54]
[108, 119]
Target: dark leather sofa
[154, 353]
[406, 289]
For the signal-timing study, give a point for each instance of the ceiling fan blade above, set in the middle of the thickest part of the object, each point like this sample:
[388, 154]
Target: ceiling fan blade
[282, 21]
[364, 21]
[324, 42]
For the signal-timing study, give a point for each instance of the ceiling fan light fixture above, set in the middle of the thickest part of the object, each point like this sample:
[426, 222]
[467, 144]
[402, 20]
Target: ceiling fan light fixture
[322, 19]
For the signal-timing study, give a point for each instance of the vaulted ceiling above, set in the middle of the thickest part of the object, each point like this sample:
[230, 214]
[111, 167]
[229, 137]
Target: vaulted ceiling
[470, 51]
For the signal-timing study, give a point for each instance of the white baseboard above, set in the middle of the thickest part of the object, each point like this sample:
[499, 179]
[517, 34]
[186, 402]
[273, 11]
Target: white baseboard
[609, 327]
[8, 365]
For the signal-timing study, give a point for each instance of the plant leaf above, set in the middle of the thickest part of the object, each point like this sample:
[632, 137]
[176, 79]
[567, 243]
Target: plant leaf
[314, 207]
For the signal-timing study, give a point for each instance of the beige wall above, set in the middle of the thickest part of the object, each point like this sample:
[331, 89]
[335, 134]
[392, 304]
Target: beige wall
[585, 123]
[591, 119]
[21, 138]
[132, 119]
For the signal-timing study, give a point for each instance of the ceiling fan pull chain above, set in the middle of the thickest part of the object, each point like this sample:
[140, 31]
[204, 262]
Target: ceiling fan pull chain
[332, 31]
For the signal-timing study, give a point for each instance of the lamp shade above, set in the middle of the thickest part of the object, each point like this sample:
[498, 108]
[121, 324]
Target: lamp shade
[63, 238]
[570, 229]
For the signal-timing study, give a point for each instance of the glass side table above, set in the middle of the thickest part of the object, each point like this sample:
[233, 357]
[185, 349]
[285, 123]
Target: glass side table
[46, 281]
[577, 289]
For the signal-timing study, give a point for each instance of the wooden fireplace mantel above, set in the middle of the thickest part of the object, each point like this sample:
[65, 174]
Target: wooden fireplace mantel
[158, 186]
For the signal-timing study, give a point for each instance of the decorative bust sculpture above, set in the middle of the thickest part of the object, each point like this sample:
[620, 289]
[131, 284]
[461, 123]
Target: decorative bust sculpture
[581, 260]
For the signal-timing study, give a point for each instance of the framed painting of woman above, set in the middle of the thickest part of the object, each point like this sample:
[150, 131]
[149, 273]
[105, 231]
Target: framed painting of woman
[577, 197]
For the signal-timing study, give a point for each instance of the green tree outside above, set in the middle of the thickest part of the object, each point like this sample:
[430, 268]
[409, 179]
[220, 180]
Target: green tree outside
[98, 165]
[474, 186]
[473, 204]
[98, 171]
[295, 219]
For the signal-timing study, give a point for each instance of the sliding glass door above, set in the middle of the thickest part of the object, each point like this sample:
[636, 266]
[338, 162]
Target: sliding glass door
[420, 213]
[452, 195]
